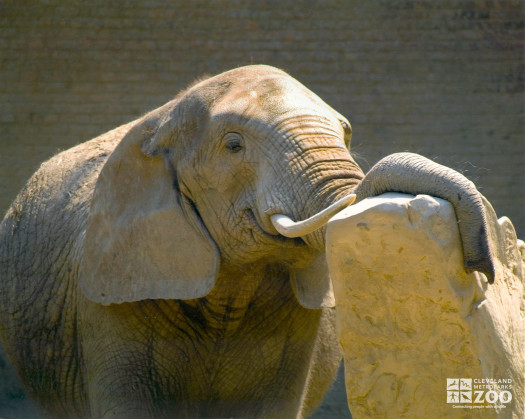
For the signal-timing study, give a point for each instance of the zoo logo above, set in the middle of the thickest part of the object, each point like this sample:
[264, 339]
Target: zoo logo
[459, 390]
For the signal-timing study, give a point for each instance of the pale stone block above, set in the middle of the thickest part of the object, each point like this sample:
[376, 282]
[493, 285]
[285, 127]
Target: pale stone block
[409, 317]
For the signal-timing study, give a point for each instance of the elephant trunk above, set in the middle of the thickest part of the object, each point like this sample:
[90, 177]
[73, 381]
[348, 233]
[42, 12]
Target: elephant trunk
[414, 174]
[319, 175]
[406, 173]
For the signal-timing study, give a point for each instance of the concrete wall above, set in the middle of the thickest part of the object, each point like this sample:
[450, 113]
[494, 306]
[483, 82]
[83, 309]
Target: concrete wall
[441, 78]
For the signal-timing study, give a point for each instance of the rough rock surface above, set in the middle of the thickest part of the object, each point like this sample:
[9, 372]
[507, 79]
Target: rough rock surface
[410, 317]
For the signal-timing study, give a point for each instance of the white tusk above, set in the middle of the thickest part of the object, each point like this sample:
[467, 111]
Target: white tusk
[289, 228]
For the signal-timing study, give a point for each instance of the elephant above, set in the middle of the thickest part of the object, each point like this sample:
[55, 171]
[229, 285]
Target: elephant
[175, 266]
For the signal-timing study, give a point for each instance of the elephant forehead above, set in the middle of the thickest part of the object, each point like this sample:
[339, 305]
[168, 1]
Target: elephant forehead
[268, 98]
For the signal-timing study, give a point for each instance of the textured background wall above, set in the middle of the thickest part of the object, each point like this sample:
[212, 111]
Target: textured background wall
[442, 78]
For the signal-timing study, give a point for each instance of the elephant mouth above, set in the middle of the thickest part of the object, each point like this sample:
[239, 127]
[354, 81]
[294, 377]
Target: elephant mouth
[258, 229]
[279, 229]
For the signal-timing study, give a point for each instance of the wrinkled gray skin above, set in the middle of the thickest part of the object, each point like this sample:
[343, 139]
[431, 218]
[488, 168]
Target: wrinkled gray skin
[141, 275]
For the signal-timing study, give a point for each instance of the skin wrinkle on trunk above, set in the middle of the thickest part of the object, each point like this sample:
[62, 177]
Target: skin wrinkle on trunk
[315, 161]
[333, 176]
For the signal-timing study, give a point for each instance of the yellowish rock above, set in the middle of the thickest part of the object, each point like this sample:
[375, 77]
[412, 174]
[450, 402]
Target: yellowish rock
[421, 337]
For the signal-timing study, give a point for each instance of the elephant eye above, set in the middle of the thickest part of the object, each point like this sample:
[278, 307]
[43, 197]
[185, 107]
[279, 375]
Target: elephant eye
[233, 142]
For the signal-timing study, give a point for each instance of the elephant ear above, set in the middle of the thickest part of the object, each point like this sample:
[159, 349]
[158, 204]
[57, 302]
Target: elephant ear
[143, 238]
[312, 285]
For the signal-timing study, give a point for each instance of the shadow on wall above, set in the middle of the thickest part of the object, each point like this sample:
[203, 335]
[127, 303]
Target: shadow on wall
[15, 405]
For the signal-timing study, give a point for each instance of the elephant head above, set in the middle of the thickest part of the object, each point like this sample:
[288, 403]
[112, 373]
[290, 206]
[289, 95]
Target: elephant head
[214, 178]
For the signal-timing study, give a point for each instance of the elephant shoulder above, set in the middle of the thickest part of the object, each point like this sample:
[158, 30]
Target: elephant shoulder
[67, 179]
[77, 168]
[53, 205]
